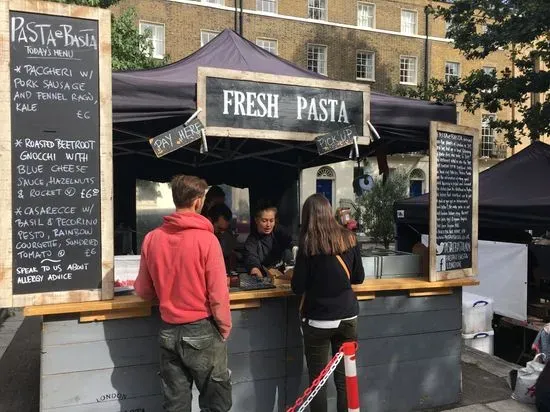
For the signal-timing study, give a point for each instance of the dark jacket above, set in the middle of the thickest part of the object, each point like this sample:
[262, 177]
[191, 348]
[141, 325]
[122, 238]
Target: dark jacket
[324, 281]
[266, 250]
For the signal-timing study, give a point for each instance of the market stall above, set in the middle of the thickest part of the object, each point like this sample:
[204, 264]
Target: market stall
[99, 353]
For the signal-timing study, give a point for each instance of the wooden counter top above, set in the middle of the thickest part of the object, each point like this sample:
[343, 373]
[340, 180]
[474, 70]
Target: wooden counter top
[134, 306]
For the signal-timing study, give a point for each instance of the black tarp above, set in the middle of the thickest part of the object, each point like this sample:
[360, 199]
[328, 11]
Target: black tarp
[151, 101]
[514, 194]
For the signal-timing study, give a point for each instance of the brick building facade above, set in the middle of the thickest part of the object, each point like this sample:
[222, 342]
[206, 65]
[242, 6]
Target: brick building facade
[384, 43]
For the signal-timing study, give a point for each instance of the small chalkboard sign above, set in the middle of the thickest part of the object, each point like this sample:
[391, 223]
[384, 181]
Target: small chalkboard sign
[177, 138]
[453, 201]
[336, 140]
[57, 137]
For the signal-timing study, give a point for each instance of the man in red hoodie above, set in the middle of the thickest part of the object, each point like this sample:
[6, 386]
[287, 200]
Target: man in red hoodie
[182, 265]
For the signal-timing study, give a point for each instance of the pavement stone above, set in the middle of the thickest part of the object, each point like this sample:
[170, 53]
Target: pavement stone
[511, 405]
[471, 408]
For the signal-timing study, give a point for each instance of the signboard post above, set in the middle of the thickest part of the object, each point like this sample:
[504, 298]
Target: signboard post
[257, 105]
[55, 154]
[453, 201]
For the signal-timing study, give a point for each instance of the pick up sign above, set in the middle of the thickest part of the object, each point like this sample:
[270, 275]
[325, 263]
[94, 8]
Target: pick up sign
[176, 138]
[336, 140]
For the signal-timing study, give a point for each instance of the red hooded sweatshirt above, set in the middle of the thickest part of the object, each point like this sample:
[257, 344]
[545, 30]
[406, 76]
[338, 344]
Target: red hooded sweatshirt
[182, 264]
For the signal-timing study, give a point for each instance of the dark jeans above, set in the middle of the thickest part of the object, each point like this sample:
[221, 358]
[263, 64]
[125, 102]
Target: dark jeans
[318, 344]
[194, 353]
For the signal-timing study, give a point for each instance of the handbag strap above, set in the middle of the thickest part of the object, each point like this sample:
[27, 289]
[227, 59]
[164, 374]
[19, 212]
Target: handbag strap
[345, 269]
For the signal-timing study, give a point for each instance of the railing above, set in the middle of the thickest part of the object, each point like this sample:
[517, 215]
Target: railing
[493, 150]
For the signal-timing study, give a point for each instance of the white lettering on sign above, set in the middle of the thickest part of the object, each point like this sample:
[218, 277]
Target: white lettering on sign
[322, 110]
[47, 35]
[251, 104]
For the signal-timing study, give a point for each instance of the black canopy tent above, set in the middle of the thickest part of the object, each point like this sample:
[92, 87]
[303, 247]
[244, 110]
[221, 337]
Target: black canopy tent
[149, 102]
[514, 196]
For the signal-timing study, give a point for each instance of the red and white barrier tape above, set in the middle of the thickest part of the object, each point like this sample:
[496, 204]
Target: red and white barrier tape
[346, 352]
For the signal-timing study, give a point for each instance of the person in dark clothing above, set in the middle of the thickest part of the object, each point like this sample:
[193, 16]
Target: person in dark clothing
[542, 390]
[267, 245]
[214, 196]
[327, 264]
[220, 215]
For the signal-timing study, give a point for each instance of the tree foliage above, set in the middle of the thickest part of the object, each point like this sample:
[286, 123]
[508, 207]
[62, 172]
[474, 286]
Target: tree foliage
[131, 50]
[376, 207]
[520, 28]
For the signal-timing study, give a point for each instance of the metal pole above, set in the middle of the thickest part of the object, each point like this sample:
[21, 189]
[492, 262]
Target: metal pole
[352, 384]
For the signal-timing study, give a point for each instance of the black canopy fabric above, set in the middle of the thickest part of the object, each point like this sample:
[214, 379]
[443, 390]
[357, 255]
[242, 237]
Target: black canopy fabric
[152, 101]
[514, 194]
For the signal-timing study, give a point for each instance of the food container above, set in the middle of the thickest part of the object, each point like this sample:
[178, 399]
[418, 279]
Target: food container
[385, 263]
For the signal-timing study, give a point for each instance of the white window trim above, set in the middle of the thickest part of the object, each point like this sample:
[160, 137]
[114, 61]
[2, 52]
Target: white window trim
[459, 69]
[207, 31]
[154, 56]
[326, 56]
[373, 66]
[269, 39]
[268, 12]
[416, 23]
[416, 70]
[373, 18]
[320, 20]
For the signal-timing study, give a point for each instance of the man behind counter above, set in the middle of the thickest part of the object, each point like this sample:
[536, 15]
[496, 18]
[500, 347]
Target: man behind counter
[268, 244]
[220, 215]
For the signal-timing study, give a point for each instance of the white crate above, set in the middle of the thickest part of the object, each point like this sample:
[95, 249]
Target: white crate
[477, 313]
[482, 341]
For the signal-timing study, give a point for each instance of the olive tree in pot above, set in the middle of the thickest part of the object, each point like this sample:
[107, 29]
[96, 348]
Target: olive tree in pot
[376, 207]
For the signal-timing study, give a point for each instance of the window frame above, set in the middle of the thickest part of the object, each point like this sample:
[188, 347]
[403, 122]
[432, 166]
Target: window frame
[323, 46]
[210, 32]
[373, 65]
[415, 58]
[216, 2]
[309, 7]
[276, 2]
[447, 75]
[487, 147]
[373, 5]
[269, 40]
[415, 12]
[154, 55]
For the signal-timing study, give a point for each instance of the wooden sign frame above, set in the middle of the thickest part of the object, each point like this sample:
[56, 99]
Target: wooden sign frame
[103, 18]
[436, 127]
[204, 72]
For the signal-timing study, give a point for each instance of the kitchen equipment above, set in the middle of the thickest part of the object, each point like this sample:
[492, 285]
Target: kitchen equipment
[385, 263]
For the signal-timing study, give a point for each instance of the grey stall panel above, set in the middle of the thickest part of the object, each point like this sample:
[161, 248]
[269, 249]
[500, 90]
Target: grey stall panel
[393, 302]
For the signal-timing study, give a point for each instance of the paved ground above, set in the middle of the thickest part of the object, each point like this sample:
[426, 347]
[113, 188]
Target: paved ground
[485, 388]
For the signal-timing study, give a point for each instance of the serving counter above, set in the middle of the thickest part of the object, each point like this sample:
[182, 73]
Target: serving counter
[103, 356]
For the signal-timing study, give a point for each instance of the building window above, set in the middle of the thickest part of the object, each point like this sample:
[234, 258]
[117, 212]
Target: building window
[365, 15]
[207, 36]
[490, 71]
[317, 58]
[267, 6]
[484, 29]
[407, 70]
[218, 2]
[317, 9]
[447, 27]
[452, 71]
[409, 20]
[155, 32]
[488, 135]
[326, 179]
[365, 65]
[416, 182]
[268, 44]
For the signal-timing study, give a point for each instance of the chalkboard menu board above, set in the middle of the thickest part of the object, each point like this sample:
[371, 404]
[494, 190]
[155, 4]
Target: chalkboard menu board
[453, 207]
[55, 124]
[336, 140]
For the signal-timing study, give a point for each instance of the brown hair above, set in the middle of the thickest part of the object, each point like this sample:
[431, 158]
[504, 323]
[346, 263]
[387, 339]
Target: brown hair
[320, 233]
[265, 207]
[185, 189]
